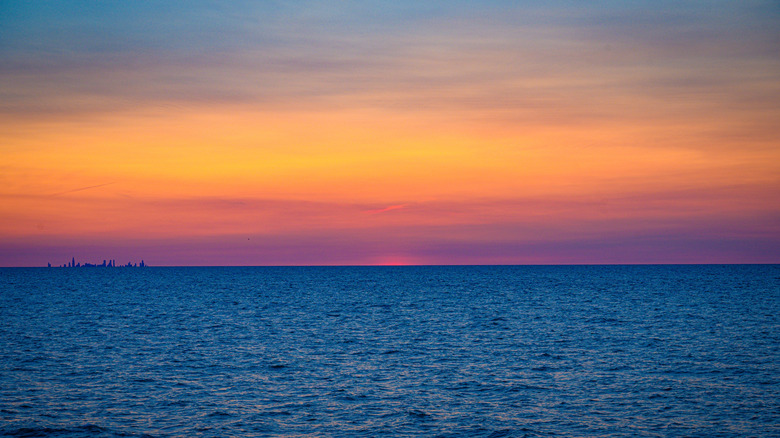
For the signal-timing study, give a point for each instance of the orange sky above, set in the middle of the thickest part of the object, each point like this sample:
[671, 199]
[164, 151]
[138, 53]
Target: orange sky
[455, 134]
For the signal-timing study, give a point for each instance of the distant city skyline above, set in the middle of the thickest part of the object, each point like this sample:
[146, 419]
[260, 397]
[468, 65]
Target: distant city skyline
[368, 133]
[110, 263]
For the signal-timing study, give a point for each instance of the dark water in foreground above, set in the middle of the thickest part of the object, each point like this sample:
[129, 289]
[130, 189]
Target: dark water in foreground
[391, 351]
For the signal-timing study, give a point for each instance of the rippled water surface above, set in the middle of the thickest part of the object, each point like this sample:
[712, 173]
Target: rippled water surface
[391, 351]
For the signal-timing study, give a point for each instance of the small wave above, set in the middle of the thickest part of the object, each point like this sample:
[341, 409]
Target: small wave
[618, 368]
[522, 388]
[143, 380]
[30, 432]
[553, 356]
[220, 414]
[275, 413]
[526, 432]
[87, 430]
[34, 359]
[416, 413]
[177, 403]
[604, 320]
[500, 433]
[353, 397]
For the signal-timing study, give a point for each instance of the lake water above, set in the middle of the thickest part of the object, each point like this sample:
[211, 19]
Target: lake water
[390, 351]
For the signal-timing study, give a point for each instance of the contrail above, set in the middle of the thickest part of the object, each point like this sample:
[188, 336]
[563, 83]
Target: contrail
[382, 210]
[82, 188]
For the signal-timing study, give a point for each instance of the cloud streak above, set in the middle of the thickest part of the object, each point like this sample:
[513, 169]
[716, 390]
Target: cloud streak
[82, 188]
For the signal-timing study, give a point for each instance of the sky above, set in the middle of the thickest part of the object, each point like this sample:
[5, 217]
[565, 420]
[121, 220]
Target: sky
[389, 133]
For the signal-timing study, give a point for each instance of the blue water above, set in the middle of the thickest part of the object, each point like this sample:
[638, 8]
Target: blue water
[390, 351]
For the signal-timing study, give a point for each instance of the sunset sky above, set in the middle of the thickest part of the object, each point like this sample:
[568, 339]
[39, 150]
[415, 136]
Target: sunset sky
[403, 132]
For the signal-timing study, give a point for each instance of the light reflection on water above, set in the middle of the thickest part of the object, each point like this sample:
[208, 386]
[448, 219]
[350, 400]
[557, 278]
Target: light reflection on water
[422, 351]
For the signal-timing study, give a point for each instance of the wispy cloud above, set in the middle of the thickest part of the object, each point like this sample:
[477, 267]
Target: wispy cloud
[81, 189]
[386, 209]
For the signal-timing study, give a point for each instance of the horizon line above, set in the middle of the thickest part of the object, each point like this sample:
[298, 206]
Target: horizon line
[413, 265]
